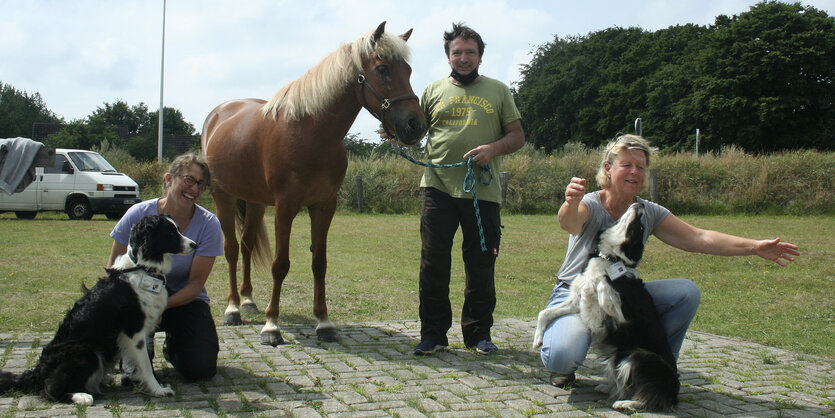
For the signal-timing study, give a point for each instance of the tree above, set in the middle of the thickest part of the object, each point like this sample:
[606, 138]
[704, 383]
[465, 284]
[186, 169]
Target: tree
[145, 145]
[19, 110]
[766, 79]
[81, 135]
[357, 147]
[762, 80]
[139, 136]
[569, 90]
[135, 118]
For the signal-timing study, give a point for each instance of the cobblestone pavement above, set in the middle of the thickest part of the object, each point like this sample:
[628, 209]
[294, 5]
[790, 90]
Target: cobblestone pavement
[371, 372]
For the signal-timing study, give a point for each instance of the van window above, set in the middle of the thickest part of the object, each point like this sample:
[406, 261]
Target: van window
[90, 161]
[57, 168]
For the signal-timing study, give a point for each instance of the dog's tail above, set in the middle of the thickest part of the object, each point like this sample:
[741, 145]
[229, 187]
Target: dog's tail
[648, 379]
[25, 382]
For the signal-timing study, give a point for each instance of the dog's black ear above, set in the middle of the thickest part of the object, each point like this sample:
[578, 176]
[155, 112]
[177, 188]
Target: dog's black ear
[144, 226]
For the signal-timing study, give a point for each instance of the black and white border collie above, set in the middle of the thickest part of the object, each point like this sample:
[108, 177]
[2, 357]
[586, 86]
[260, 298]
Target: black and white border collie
[625, 326]
[110, 322]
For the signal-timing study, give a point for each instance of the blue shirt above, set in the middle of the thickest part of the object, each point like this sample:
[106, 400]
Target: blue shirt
[203, 229]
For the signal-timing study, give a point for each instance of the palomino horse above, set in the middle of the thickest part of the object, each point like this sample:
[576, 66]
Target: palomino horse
[289, 152]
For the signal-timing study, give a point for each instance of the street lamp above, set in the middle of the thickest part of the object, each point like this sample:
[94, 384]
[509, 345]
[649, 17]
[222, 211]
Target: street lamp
[161, 84]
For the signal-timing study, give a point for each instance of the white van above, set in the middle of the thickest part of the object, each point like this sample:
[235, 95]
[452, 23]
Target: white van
[81, 183]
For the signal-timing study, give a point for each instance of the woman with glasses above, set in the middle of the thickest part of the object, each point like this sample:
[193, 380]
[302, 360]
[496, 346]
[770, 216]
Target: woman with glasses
[191, 343]
[583, 215]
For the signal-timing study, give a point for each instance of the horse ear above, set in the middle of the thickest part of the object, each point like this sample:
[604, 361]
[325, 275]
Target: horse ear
[379, 32]
[406, 35]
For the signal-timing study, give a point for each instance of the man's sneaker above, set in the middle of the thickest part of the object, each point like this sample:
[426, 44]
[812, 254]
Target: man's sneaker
[427, 347]
[563, 381]
[486, 347]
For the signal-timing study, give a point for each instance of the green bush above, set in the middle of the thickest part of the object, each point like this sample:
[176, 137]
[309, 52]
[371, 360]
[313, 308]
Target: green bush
[729, 182]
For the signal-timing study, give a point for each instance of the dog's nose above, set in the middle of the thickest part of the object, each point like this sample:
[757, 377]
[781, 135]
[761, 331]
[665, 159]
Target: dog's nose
[193, 245]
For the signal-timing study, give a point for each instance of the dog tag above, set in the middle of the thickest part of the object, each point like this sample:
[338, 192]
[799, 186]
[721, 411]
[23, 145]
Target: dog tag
[616, 270]
[151, 284]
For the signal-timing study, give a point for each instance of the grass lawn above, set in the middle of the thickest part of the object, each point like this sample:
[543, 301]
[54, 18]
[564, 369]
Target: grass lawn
[373, 263]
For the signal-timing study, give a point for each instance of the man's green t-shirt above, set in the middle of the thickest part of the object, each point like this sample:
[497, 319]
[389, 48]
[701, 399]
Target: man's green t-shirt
[462, 118]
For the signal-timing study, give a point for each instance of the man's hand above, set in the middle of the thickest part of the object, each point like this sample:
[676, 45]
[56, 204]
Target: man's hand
[383, 135]
[481, 154]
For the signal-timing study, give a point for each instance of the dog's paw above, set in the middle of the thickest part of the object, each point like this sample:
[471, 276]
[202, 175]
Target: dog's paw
[164, 391]
[627, 405]
[537, 341]
[82, 398]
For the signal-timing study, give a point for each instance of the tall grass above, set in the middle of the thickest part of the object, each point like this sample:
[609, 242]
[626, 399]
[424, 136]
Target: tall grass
[722, 183]
[795, 183]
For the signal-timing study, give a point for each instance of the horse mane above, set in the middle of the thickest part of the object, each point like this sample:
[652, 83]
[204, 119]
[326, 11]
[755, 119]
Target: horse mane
[317, 88]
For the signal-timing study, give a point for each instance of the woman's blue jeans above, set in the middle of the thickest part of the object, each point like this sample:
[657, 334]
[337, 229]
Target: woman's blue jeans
[566, 340]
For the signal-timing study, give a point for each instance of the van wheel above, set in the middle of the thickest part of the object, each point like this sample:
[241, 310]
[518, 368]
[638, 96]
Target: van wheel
[79, 209]
[26, 214]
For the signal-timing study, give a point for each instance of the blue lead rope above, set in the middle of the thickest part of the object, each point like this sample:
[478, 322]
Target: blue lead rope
[469, 184]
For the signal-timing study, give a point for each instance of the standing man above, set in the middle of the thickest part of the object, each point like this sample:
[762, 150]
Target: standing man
[469, 115]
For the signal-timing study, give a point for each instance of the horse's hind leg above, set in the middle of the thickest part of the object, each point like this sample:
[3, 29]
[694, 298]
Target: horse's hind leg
[320, 222]
[252, 224]
[226, 209]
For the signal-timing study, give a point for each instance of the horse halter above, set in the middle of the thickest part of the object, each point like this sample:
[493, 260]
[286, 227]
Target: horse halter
[384, 103]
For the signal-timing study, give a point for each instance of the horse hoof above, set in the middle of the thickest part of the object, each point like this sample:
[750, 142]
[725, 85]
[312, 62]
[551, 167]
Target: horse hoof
[272, 338]
[327, 334]
[249, 307]
[233, 318]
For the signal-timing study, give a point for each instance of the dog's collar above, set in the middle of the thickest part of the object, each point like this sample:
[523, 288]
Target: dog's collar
[616, 268]
[150, 271]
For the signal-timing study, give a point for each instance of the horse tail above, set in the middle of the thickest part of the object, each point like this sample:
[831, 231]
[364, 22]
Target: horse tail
[261, 256]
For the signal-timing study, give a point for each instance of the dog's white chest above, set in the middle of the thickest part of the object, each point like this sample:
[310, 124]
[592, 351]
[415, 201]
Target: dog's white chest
[151, 293]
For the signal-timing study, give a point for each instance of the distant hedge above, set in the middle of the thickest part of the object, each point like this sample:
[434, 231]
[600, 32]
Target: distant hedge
[730, 182]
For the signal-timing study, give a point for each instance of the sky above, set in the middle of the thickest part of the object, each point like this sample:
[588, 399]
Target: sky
[81, 54]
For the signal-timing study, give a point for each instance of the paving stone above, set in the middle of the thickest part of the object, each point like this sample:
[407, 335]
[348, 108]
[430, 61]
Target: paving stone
[371, 372]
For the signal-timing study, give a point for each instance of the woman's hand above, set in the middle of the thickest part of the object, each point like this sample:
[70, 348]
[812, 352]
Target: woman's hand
[572, 215]
[776, 251]
[575, 190]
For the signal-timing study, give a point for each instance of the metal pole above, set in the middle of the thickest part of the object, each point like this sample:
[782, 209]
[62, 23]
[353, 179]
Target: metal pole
[503, 177]
[359, 194]
[638, 130]
[161, 84]
[653, 184]
[697, 142]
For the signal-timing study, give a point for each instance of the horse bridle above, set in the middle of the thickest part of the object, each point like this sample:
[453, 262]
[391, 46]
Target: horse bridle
[384, 103]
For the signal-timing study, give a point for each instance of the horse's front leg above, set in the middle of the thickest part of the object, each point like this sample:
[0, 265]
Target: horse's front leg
[320, 221]
[271, 332]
